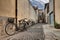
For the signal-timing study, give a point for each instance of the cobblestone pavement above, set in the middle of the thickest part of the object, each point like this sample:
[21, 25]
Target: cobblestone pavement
[51, 33]
[33, 33]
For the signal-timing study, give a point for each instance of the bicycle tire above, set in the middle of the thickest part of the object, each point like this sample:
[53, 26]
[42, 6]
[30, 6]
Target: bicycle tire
[7, 26]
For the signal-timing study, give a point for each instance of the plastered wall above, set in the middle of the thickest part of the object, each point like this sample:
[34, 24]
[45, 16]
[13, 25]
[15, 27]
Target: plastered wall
[57, 11]
[7, 8]
[24, 9]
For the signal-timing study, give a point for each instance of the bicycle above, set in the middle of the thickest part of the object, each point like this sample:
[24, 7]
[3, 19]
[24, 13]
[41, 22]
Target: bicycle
[11, 27]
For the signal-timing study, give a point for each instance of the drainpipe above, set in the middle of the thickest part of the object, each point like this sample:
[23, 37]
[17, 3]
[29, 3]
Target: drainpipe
[16, 12]
[54, 10]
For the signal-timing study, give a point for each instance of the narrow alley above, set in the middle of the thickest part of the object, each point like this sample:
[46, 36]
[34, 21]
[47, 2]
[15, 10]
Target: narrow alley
[29, 19]
[36, 32]
[33, 33]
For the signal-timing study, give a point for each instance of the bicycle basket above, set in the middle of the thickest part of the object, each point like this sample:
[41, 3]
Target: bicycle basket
[11, 20]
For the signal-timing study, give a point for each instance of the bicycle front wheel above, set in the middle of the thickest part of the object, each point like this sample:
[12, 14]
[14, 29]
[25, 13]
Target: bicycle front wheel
[10, 29]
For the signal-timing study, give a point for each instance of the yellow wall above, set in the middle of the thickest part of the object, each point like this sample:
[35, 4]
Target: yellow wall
[57, 11]
[7, 8]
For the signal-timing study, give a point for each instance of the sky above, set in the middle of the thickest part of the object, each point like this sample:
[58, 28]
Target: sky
[45, 1]
[39, 3]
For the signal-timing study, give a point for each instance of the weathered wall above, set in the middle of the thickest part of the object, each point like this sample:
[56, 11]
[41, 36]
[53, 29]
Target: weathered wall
[25, 10]
[7, 8]
[57, 11]
[33, 14]
[50, 5]
[45, 12]
[51, 13]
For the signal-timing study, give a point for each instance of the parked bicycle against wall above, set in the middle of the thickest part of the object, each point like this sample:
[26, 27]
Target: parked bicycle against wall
[11, 27]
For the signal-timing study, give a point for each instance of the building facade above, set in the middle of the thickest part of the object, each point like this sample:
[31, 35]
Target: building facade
[8, 9]
[26, 10]
[54, 9]
[46, 10]
[51, 13]
[57, 11]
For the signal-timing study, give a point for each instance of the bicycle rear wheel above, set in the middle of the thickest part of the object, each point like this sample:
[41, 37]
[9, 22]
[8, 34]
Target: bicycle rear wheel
[10, 29]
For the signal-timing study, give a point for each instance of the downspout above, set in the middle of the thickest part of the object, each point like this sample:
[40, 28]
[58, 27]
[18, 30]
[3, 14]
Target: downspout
[16, 12]
[54, 10]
